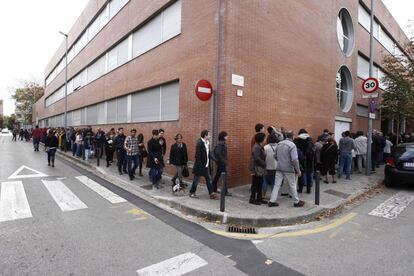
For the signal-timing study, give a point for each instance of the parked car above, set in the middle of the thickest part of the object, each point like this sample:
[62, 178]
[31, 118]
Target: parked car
[5, 130]
[400, 165]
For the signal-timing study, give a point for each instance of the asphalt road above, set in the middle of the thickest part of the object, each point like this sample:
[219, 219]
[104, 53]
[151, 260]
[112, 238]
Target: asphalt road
[65, 221]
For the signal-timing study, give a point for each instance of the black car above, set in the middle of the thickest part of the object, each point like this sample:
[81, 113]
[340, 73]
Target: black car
[400, 165]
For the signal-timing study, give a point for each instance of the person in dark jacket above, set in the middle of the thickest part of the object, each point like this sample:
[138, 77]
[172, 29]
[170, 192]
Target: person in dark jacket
[155, 161]
[329, 158]
[51, 144]
[178, 158]
[119, 142]
[305, 145]
[220, 153]
[202, 165]
[99, 141]
[109, 148]
[257, 163]
[142, 152]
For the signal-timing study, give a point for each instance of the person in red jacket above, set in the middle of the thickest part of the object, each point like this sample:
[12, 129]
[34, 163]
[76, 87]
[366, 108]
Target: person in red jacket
[37, 135]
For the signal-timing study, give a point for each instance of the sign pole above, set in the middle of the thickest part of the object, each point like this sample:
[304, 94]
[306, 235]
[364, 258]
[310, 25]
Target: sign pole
[371, 63]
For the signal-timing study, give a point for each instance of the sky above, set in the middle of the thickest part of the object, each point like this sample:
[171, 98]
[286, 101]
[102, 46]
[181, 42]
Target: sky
[30, 36]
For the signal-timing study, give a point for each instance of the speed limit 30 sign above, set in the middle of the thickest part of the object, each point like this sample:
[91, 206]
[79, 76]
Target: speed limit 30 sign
[370, 85]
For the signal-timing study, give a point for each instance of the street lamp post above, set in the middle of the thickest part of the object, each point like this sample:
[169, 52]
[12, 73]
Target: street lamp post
[66, 89]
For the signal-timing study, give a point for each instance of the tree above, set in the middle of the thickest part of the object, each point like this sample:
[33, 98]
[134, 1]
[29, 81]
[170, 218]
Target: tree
[398, 99]
[1, 121]
[10, 121]
[25, 96]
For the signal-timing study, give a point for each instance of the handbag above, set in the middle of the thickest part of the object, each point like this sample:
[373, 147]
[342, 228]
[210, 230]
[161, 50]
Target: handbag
[186, 172]
[259, 171]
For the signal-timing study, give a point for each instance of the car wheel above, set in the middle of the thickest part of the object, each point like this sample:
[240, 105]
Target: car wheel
[388, 182]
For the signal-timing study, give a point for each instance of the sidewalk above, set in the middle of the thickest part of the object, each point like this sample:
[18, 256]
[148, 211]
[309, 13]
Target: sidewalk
[238, 210]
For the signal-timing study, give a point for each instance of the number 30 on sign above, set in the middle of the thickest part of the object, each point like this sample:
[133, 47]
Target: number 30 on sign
[370, 85]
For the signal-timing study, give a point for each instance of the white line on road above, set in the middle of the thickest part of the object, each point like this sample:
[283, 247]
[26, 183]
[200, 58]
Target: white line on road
[13, 201]
[66, 200]
[102, 191]
[176, 266]
[35, 174]
[393, 206]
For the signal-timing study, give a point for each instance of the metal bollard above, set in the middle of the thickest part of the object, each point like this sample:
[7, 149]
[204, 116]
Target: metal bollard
[223, 177]
[317, 187]
[98, 155]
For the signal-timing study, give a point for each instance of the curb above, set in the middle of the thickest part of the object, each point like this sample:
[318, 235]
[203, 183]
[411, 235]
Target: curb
[211, 216]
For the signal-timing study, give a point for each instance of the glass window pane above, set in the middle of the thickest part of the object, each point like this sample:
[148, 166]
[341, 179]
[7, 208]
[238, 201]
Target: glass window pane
[92, 115]
[147, 37]
[171, 21]
[111, 112]
[101, 113]
[146, 105]
[76, 117]
[121, 106]
[96, 70]
[363, 68]
[170, 101]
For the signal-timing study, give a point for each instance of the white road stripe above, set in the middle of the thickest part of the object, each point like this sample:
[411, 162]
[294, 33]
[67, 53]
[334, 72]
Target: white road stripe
[393, 206]
[13, 202]
[66, 200]
[176, 266]
[102, 191]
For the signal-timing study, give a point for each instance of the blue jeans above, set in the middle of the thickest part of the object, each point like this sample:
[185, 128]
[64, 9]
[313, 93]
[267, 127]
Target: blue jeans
[268, 180]
[130, 159]
[36, 143]
[78, 150]
[155, 175]
[51, 156]
[345, 163]
[307, 179]
[197, 179]
[121, 157]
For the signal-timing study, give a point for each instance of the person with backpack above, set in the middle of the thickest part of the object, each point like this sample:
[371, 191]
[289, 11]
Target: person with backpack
[220, 157]
[329, 158]
[305, 145]
[51, 144]
[178, 158]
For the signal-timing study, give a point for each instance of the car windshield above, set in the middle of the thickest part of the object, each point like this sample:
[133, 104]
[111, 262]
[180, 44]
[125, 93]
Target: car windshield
[404, 152]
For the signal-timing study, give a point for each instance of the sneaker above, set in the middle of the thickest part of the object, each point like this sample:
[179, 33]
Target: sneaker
[154, 188]
[53, 165]
[214, 196]
[327, 182]
[272, 204]
[120, 173]
[284, 194]
[348, 178]
[193, 195]
[301, 203]
[263, 201]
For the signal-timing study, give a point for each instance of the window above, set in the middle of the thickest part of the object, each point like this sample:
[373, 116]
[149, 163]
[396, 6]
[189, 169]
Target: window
[79, 80]
[146, 105]
[115, 6]
[101, 113]
[170, 101]
[122, 107]
[111, 112]
[364, 18]
[148, 37]
[363, 68]
[96, 70]
[77, 117]
[70, 86]
[171, 21]
[387, 42]
[345, 32]
[118, 55]
[344, 88]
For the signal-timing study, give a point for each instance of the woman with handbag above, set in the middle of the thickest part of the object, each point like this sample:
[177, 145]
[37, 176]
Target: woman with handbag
[178, 158]
[258, 169]
[329, 158]
[51, 144]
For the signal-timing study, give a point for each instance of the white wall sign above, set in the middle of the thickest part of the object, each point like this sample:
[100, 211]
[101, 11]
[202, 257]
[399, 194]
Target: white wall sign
[239, 93]
[237, 80]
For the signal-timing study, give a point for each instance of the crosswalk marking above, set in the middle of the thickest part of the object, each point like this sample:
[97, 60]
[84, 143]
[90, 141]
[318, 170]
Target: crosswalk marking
[13, 201]
[176, 266]
[393, 206]
[102, 191]
[66, 200]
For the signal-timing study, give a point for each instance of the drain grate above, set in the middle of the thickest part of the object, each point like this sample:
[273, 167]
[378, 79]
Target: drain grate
[241, 229]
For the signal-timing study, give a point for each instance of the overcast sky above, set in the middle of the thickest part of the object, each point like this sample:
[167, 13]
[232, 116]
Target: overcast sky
[30, 35]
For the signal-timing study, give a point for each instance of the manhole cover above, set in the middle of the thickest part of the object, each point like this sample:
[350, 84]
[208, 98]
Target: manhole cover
[337, 193]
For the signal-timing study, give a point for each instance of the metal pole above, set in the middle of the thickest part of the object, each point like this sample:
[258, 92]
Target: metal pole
[371, 63]
[66, 89]
[317, 187]
[218, 73]
[223, 177]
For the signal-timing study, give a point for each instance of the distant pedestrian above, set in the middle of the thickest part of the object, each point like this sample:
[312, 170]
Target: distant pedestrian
[99, 141]
[287, 166]
[87, 146]
[304, 143]
[15, 132]
[119, 142]
[21, 134]
[361, 150]
[155, 160]
[346, 145]
[163, 144]
[37, 135]
[329, 158]
[202, 165]
[142, 152]
[131, 148]
[258, 128]
[387, 149]
[178, 158]
[258, 169]
[79, 143]
[51, 144]
[220, 154]
[109, 147]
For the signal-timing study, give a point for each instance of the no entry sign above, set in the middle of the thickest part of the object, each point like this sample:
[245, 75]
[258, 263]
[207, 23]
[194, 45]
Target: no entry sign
[370, 85]
[204, 90]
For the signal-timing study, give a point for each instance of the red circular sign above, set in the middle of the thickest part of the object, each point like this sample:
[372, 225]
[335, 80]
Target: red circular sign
[370, 85]
[204, 90]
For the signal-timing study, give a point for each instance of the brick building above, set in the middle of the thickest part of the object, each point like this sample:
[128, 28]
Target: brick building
[135, 64]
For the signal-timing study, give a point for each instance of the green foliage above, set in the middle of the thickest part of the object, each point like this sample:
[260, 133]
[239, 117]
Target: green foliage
[7, 121]
[1, 121]
[398, 100]
[25, 96]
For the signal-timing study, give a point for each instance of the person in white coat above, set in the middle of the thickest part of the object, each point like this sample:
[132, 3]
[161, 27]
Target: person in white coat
[361, 149]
